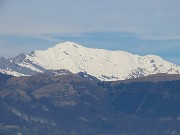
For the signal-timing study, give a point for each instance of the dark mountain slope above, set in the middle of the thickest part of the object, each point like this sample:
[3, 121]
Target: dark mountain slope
[75, 105]
[155, 78]
[4, 77]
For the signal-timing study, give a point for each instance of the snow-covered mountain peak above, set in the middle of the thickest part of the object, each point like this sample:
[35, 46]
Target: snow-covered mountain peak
[102, 64]
[67, 44]
[60, 48]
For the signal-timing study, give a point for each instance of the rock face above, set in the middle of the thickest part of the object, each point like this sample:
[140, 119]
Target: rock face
[72, 104]
[102, 64]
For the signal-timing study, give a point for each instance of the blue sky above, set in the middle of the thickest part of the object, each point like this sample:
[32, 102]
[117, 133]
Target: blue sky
[137, 26]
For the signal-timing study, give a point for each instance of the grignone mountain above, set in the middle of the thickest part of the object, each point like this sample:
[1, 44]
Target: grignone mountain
[103, 64]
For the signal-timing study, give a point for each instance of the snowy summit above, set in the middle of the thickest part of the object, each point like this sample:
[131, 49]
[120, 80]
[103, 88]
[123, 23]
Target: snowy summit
[103, 64]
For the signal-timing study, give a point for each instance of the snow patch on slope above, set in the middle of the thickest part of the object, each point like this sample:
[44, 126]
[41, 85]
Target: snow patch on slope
[10, 72]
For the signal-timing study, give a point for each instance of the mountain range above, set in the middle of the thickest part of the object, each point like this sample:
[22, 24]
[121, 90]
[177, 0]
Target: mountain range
[77, 104]
[73, 90]
[102, 64]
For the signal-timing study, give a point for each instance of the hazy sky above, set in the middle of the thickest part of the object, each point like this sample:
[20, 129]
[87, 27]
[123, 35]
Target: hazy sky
[137, 26]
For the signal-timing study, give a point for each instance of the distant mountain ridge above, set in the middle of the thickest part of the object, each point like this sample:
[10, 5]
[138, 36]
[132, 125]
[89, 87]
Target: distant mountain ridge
[103, 64]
